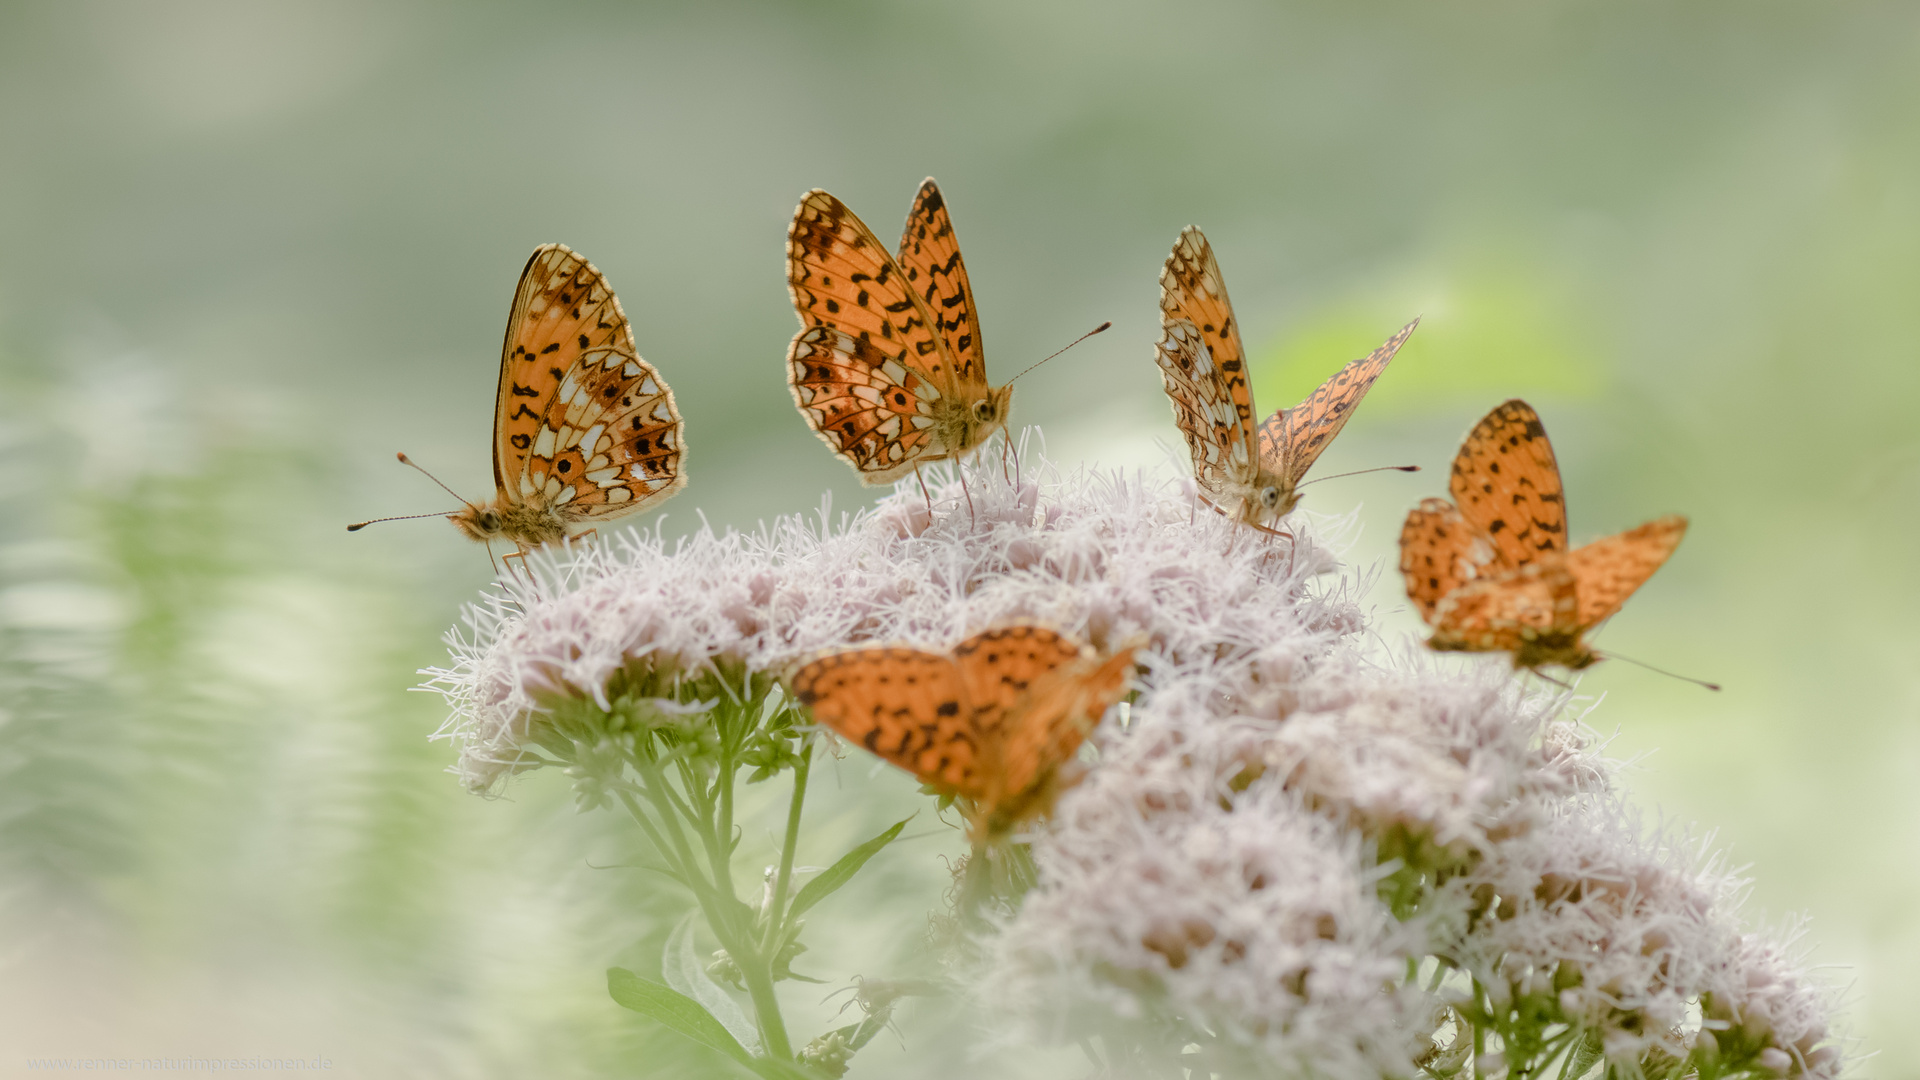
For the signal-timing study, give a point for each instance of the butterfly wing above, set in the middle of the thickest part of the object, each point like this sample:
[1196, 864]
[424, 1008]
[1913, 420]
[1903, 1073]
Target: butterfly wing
[610, 439]
[578, 409]
[1059, 711]
[1195, 293]
[1506, 483]
[1036, 693]
[1204, 367]
[1496, 613]
[908, 706]
[1439, 553]
[867, 365]
[1608, 570]
[1292, 439]
[930, 256]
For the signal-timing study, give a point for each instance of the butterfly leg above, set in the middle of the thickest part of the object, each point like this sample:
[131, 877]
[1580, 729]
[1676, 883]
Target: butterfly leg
[923, 489]
[960, 468]
[1293, 545]
[1538, 674]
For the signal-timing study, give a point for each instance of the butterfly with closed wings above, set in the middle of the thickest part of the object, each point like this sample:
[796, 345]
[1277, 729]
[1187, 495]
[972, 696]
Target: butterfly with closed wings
[584, 430]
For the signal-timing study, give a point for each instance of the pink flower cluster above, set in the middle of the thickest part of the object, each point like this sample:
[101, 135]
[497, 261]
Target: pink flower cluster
[1294, 818]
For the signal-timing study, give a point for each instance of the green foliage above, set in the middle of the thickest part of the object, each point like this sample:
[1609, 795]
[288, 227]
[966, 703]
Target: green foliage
[828, 881]
[675, 1010]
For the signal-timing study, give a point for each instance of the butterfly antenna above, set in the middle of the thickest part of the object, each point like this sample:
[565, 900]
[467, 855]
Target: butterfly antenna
[1102, 328]
[1358, 472]
[1663, 671]
[409, 462]
[358, 525]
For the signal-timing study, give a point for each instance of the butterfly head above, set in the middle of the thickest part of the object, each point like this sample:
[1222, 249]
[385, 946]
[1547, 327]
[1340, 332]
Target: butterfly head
[525, 524]
[1269, 502]
[963, 427]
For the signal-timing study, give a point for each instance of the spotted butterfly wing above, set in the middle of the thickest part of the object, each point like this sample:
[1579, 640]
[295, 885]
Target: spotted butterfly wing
[1291, 440]
[1204, 370]
[1493, 572]
[992, 721]
[930, 256]
[584, 429]
[908, 706]
[1608, 570]
[882, 378]
[1507, 484]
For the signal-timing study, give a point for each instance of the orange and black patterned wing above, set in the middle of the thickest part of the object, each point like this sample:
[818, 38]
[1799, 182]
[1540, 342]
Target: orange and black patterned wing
[930, 257]
[1506, 483]
[1291, 439]
[1000, 666]
[1203, 410]
[1493, 614]
[1059, 711]
[580, 417]
[1439, 553]
[908, 706]
[867, 365]
[1607, 571]
[1200, 353]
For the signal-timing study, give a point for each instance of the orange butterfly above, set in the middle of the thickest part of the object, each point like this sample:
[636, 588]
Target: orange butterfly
[1251, 476]
[887, 367]
[1491, 572]
[584, 431]
[996, 721]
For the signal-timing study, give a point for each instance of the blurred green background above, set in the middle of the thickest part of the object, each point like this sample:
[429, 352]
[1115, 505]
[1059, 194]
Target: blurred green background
[250, 249]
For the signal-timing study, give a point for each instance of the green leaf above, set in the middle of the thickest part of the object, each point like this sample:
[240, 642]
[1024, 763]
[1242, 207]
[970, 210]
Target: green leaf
[830, 879]
[676, 1010]
[680, 965]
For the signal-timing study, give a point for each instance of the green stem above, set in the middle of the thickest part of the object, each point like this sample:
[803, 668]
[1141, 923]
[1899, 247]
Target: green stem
[776, 913]
[718, 901]
[667, 851]
[773, 1030]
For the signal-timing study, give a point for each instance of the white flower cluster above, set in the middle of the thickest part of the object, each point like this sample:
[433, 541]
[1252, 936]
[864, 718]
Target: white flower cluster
[1292, 823]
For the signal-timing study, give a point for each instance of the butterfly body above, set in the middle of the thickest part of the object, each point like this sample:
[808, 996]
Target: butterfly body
[995, 721]
[1250, 473]
[887, 368]
[1491, 570]
[584, 429]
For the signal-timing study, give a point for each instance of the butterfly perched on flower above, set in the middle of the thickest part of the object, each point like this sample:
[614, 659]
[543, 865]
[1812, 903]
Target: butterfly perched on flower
[887, 367]
[584, 431]
[995, 721]
[1491, 571]
[1250, 474]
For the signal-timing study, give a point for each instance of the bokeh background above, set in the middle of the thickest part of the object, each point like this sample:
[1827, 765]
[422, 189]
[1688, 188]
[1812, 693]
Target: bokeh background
[250, 249]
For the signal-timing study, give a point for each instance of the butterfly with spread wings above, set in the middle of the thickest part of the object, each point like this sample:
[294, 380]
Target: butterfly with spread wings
[996, 721]
[1491, 570]
[1251, 474]
[887, 367]
[584, 431]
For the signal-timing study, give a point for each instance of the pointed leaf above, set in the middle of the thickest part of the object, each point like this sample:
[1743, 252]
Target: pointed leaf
[680, 965]
[842, 872]
[675, 1010]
